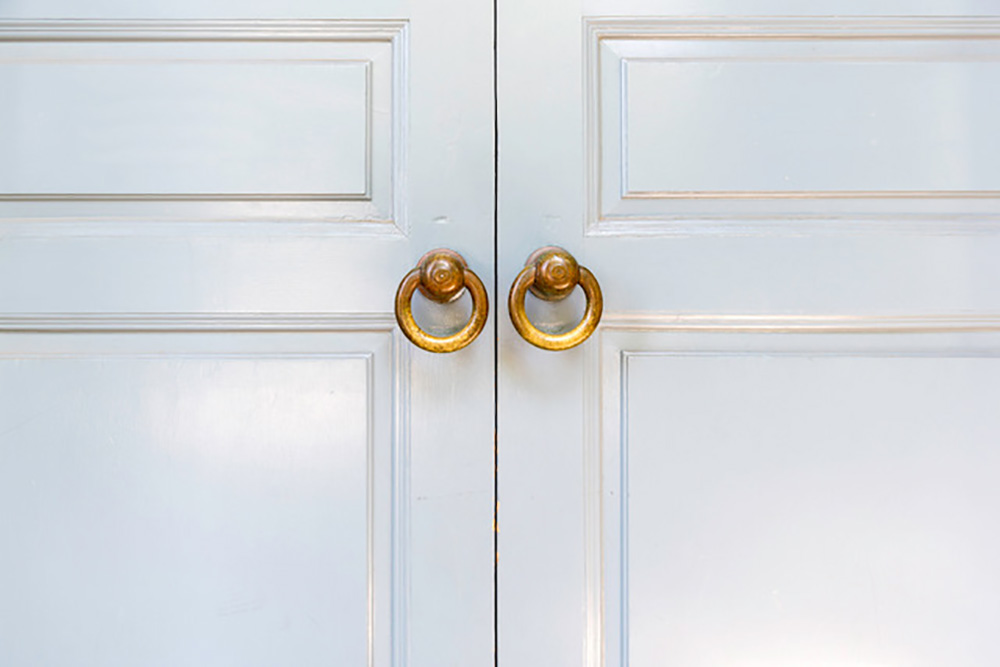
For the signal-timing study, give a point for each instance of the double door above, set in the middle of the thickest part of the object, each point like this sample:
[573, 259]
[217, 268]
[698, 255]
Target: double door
[778, 447]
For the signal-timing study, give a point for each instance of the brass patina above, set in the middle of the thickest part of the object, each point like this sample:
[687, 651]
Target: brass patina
[441, 275]
[552, 274]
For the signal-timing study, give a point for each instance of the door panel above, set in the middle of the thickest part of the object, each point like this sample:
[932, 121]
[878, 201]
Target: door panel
[217, 447]
[197, 90]
[796, 498]
[206, 120]
[184, 497]
[772, 451]
[695, 124]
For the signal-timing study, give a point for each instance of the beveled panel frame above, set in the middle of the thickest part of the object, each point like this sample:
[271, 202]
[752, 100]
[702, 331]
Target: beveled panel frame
[377, 210]
[612, 209]
[374, 339]
[622, 339]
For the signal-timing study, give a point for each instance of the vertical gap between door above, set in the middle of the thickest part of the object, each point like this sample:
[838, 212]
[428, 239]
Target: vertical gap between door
[496, 347]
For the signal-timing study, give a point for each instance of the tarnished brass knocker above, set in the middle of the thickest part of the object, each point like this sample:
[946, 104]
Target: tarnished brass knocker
[551, 274]
[441, 275]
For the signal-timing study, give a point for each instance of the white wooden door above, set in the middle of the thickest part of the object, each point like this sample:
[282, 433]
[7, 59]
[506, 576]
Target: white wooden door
[215, 446]
[778, 449]
[781, 446]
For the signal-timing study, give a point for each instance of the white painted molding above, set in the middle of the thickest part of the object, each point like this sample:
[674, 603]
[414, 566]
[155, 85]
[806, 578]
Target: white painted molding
[787, 27]
[736, 323]
[623, 337]
[379, 213]
[195, 323]
[237, 30]
[277, 336]
[772, 213]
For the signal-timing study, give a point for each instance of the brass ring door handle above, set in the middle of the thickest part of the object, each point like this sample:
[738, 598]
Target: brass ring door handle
[441, 275]
[551, 274]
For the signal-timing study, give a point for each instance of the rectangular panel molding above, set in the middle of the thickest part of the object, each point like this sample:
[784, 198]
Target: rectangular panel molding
[205, 121]
[791, 125]
[246, 491]
[791, 490]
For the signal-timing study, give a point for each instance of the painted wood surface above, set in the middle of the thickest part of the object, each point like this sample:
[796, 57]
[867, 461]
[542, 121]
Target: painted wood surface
[217, 449]
[772, 453]
[215, 446]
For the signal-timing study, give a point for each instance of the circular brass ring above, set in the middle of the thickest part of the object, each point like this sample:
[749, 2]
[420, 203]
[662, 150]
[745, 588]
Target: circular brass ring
[526, 280]
[441, 275]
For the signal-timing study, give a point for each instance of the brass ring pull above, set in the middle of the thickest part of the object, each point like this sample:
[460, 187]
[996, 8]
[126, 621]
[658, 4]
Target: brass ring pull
[441, 275]
[551, 274]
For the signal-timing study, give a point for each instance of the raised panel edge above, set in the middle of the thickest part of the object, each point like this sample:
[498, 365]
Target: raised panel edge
[358, 222]
[388, 601]
[977, 217]
[623, 337]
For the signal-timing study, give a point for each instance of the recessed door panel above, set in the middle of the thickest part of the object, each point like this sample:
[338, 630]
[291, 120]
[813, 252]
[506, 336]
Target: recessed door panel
[224, 121]
[811, 506]
[198, 504]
